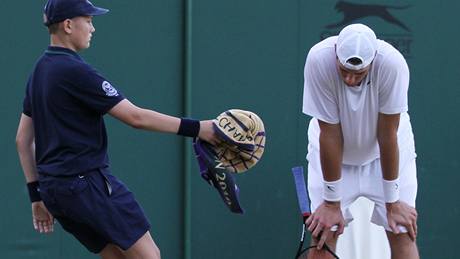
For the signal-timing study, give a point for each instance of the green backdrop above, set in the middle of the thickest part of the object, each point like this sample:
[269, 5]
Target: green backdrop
[203, 57]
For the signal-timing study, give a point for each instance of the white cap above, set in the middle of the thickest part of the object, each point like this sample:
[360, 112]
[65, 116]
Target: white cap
[356, 41]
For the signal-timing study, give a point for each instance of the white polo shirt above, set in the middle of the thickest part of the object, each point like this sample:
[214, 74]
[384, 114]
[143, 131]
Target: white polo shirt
[384, 90]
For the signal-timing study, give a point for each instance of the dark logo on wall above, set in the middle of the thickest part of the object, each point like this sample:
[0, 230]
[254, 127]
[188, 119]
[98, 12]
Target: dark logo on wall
[355, 13]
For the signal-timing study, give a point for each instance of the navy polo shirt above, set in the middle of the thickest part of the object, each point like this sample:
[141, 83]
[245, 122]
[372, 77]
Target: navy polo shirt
[66, 99]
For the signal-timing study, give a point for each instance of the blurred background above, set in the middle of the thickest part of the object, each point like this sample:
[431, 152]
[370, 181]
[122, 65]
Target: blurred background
[199, 58]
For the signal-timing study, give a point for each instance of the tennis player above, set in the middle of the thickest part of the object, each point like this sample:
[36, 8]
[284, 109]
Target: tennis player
[360, 138]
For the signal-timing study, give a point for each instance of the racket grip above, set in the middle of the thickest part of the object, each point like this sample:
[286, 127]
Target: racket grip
[302, 193]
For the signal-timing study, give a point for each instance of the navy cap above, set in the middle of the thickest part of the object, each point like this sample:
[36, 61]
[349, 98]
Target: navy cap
[59, 10]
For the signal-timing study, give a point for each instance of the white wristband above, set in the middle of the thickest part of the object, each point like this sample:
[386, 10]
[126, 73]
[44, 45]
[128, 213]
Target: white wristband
[331, 190]
[391, 190]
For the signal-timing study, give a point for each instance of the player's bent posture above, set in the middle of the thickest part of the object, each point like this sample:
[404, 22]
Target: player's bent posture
[360, 138]
[62, 142]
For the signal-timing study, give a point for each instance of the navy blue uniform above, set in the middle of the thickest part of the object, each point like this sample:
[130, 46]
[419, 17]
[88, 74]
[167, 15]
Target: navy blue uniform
[66, 99]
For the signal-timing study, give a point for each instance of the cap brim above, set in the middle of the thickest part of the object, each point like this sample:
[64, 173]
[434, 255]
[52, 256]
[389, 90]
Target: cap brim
[95, 11]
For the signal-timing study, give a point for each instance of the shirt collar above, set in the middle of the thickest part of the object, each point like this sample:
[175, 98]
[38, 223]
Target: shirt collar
[54, 50]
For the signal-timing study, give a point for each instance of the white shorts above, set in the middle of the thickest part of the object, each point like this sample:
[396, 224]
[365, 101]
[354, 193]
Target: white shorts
[364, 181]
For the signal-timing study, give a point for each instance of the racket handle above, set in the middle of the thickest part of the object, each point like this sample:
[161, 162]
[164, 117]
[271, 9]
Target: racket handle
[301, 189]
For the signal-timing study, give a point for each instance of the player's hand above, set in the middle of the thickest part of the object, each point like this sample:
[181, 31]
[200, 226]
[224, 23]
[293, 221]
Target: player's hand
[401, 214]
[42, 219]
[207, 132]
[326, 216]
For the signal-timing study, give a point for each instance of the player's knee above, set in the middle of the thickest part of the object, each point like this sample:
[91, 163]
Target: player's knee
[319, 254]
[331, 241]
[314, 253]
[403, 245]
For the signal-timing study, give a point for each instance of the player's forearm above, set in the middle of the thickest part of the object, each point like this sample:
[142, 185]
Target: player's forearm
[331, 158]
[144, 119]
[26, 151]
[387, 136]
[155, 121]
[331, 148]
[331, 151]
[389, 156]
[25, 143]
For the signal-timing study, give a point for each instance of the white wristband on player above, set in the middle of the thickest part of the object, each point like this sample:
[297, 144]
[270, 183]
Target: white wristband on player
[391, 190]
[331, 190]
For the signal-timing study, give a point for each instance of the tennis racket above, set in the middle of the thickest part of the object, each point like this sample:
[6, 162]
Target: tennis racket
[304, 205]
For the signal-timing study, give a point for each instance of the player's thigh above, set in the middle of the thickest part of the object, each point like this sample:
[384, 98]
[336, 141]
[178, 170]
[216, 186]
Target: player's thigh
[407, 188]
[144, 248]
[112, 251]
[349, 191]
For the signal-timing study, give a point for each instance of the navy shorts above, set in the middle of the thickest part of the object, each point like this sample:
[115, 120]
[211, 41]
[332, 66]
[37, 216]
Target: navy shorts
[96, 208]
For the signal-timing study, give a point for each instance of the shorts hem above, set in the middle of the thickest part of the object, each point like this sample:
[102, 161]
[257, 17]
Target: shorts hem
[138, 235]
